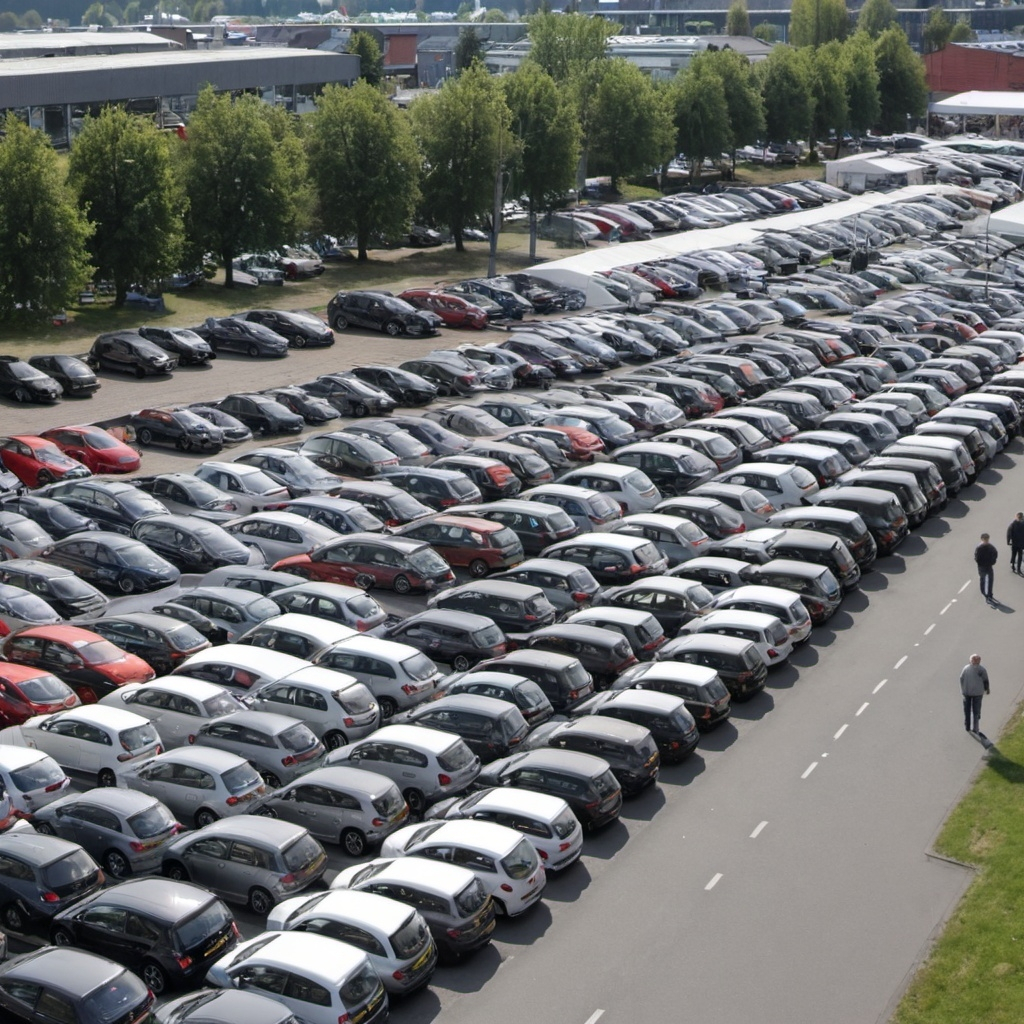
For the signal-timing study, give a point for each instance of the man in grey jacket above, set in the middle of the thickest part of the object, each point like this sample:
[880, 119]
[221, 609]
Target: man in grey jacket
[973, 686]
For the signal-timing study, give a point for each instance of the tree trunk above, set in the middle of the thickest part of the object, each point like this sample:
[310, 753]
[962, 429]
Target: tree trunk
[533, 233]
[362, 239]
[120, 292]
[229, 271]
[695, 166]
[459, 244]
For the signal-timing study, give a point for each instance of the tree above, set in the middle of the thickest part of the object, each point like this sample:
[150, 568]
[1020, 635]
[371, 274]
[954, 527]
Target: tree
[813, 22]
[902, 89]
[364, 164]
[121, 168]
[876, 16]
[566, 45]
[43, 233]
[962, 31]
[828, 89]
[468, 49]
[463, 133]
[8, 22]
[239, 178]
[95, 14]
[545, 123]
[631, 128]
[737, 21]
[465, 11]
[742, 95]
[371, 60]
[766, 32]
[861, 74]
[936, 31]
[701, 117]
[495, 15]
[786, 91]
[32, 20]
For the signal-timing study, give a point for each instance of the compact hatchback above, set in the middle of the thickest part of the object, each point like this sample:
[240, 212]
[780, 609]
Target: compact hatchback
[664, 715]
[31, 779]
[476, 544]
[612, 557]
[490, 727]
[705, 695]
[459, 638]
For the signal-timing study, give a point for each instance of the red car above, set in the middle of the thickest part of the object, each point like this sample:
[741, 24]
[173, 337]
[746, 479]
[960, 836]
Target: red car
[585, 445]
[26, 692]
[454, 310]
[369, 559]
[477, 544]
[36, 461]
[95, 448]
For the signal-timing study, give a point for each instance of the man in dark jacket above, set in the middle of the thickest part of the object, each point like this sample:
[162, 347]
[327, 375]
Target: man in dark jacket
[985, 556]
[1015, 538]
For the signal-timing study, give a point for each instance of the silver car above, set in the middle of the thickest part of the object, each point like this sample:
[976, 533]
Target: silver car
[236, 611]
[350, 606]
[248, 486]
[123, 830]
[199, 786]
[303, 636]
[393, 935]
[279, 535]
[348, 806]
[255, 861]
[278, 747]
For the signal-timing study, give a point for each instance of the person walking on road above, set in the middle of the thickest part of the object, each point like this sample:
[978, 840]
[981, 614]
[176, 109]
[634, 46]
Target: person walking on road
[986, 555]
[1015, 538]
[973, 686]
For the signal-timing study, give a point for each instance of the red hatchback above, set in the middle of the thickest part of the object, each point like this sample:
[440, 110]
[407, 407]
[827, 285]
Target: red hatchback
[26, 692]
[454, 310]
[96, 448]
[37, 461]
[585, 445]
[368, 559]
[477, 544]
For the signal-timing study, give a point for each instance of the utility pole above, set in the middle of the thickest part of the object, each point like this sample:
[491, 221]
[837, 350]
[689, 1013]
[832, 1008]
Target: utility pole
[499, 189]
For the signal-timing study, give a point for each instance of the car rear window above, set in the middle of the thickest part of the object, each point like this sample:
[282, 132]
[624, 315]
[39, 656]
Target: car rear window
[44, 772]
[114, 999]
[558, 521]
[643, 750]
[539, 606]
[360, 987]
[363, 607]
[201, 927]
[640, 482]
[419, 667]
[565, 824]
[102, 652]
[388, 804]
[489, 636]
[138, 737]
[298, 738]
[464, 488]
[240, 778]
[690, 531]
[410, 939]
[716, 690]
[303, 853]
[647, 554]
[751, 659]
[649, 630]
[605, 784]
[577, 676]
[604, 508]
[582, 581]
[504, 538]
[472, 898]
[456, 757]
[73, 873]
[220, 704]
[521, 861]
[777, 634]
[151, 822]
[803, 478]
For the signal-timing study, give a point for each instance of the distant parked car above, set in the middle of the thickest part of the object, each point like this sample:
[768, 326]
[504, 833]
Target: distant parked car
[179, 428]
[380, 311]
[233, 429]
[350, 395]
[190, 349]
[113, 562]
[454, 310]
[231, 334]
[37, 461]
[261, 414]
[301, 329]
[74, 375]
[312, 409]
[129, 352]
[26, 383]
[97, 450]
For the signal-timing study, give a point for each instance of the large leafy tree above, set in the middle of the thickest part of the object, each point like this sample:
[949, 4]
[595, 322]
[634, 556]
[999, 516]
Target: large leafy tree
[566, 45]
[468, 49]
[828, 89]
[701, 116]
[737, 21]
[876, 16]
[962, 31]
[43, 232]
[364, 164]
[631, 124]
[813, 22]
[902, 87]
[463, 133]
[936, 31]
[241, 177]
[786, 90]
[861, 74]
[371, 60]
[742, 93]
[122, 169]
[545, 123]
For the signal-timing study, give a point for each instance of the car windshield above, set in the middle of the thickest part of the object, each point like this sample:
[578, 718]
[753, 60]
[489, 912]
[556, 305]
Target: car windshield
[456, 757]
[521, 861]
[44, 689]
[471, 899]
[419, 667]
[152, 821]
[220, 704]
[138, 556]
[303, 853]
[29, 608]
[70, 587]
[240, 778]
[489, 636]
[25, 372]
[138, 737]
[203, 926]
[70, 874]
[410, 939]
[114, 1000]
[38, 775]
[298, 738]
[100, 652]
[428, 562]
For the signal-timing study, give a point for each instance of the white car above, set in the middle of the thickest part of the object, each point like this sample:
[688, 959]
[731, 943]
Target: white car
[303, 636]
[784, 604]
[94, 741]
[31, 778]
[239, 667]
[547, 821]
[321, 980]
[503, 859]
[767, 632]
[278, 535]
[783, 485]
[627, 485]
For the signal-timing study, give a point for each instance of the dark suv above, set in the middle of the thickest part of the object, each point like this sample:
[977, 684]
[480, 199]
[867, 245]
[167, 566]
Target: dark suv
[380, 311]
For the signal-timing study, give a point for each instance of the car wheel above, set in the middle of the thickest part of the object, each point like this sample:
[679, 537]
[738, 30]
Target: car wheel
[204, 816]
[21, 395]
[478, 568]
[44, 828]
[117, 864]
[253, 350]
[61, 937]
[126, 585]
[106, 778]
[270, 779]
[184, 444]
[461, 663]
[402, 585]
[417, 802]
[388, 708]
[261, 902]
[140, 372]
[354, 842]
[360, 409]
[267, 812]
[339, 323]
[176, 870]
[44, 476]
[154, 977]
[393, 327]
[146, 436]
[14, 918]
[333, 740]
[291, 272]
[298, 341]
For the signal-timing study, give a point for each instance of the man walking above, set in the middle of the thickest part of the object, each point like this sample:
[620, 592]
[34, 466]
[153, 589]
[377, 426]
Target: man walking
[973, 686]
[986, 555]
[1015, 538]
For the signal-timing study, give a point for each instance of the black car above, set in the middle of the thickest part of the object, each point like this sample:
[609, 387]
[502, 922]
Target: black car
[312, 409]
[380, 311]
[343, 452]
[665, 716]
[178, 613]
[395, 438]
[568, 586]
[262, 415]
[490, 727]
[53, 516]
[536, 524]
[74, 375]
[460, 639]
[449, 379]
[390, 504]
[25, 383]
[404, 387]
[513, 607]
[234, 431]
[494, 479]
[231, 334]
[524, 693]
[350, 395]
[187, 495]
[604, 653]
[438, 488]
[192, 544]
[179, 428]
[542, 352]
[544, 295]
[129, 352]
[513, 305]
[40, 876]
[113, 562]
[156, 639]
[168, 932]
[71, 986]
[113, 504]
[524, 373]
[190, 349]
[301, 329]
[60, 588]
[343, 515]
[561, 677]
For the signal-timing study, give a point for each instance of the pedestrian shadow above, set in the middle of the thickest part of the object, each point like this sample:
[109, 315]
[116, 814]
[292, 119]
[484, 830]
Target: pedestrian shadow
[998, 606]
[934, 527]
[956, 509]
[914, 545]
[1009, 770]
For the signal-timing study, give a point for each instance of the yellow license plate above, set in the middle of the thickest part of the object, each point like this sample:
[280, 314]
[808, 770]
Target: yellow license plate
[368, 1009]
[219, 944]
[422, 960]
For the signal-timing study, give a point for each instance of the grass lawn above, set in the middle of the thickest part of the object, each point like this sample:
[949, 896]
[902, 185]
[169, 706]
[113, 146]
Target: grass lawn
[975, 973]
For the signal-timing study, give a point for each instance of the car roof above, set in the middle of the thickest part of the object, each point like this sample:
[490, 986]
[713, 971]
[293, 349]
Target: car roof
[207, 758]
[672, 584]
[354, 780]
[258, 659]
[759, 620]
[614, 541]
[556, 759]
[759, 592]
[654, 701]
[272, 516]
[161, 898]
[609, 613]
[666, 520]
[612, 728]
[379, 913]
[538, 659]
[435, 875]
[793, 566]
[323, 630]
[483, 676]
[477, 702]
[710, 641]
[123, 801]
[582, 631]
[556, 565]
[434, 740]
[103, 716]
[12, 758]
[199, 689]
[822, 512]
[265, 722]
[564, 491]
[307, 954]
[677, 671]
[522, 801]
[272, 831]
[481, 835]
[861, 495]
[452, 617]
[230, 595]
[716, 562]
[500, 588]
[389, 650]
[37, 848]
[72, 971]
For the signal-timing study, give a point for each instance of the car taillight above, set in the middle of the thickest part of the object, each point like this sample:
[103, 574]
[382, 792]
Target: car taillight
[580, 596]
[348, 722]
[53, 787]
[288, 879]
[529, 618]
[137, 846]
[344, 1018]
[593, 805]
[467, 379]
[378, 822]
[184, 962]
[232, 800]
[444, 780]
[288, 761]
[573, 694]
[454, 933]
[448, 502]
[124, 757]
[596, 519]
[543, 855]
[634, 569]
[772, 653]
[392, 522]
[398, 975]
[234, 928]
[50, 897]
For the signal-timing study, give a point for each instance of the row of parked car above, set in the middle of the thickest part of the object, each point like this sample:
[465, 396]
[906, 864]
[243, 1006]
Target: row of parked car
[694, 535]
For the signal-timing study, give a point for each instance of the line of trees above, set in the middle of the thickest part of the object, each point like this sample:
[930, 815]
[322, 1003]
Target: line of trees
[134, 204]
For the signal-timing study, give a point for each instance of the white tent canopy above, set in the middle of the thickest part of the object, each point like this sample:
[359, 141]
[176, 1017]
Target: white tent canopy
[1009, 223]
[980, 102]
[860, 171]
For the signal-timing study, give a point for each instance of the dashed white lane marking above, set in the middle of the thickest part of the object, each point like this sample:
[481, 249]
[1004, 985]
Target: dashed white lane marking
[714, 881]
[811, 767]
[964, 587]
[880, 685]
[757, 831]
[900, 662]
[862, 709]
[842, 729]
[594, 1017]
[929, 629]
[946, 609]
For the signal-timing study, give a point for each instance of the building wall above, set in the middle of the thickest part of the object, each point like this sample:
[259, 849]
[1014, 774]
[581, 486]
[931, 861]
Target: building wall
[965, 68]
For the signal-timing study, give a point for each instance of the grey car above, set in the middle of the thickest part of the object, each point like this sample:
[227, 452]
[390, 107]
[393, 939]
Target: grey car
[236, 611]
[336, 602]
[121, 829]
[278, 535]
[255, 861]
[280, 748]
[198, 785]
[354, 808]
